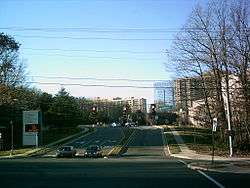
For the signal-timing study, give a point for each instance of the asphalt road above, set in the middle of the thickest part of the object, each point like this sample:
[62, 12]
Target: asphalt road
[98, 173]
[143, 165]
[145, 143]
[106, 137]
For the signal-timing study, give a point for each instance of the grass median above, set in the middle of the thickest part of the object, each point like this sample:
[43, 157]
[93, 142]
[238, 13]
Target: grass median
[172, 144]
[55, 134]
[15, 151]
[199, 139]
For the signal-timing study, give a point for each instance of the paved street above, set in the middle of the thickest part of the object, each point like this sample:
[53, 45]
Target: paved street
[143, 165]
[145, 143]
[98, 173]
[104, 137]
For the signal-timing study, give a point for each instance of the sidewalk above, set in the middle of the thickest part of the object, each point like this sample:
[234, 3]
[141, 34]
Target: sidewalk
[203, 162]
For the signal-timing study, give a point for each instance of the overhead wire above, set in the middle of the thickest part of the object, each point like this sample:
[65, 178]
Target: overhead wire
[99, 29]
[95, 85]
[93, 57]
[92, 38]
[98, 51]
[99, 79]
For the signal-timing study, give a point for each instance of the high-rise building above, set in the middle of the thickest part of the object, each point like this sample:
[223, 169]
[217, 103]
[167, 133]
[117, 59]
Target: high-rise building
[134, 103]
[137, 104]
[187, 90]
[164, 95]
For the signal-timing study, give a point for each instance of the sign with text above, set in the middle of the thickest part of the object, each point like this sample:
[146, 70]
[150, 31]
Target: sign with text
[31, 117]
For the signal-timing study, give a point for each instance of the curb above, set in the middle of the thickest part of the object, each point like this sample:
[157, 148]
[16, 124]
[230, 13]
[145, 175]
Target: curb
[222, 170]
[165, 144]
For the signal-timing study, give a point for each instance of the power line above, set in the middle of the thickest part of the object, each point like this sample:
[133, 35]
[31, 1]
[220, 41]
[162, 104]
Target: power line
[99, 79]
[97, 51]
[96, 85]
[114, 86]
[93, 38]
[100, 29]
[93, 57]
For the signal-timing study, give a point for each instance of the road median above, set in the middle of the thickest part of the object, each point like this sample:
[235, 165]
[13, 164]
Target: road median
[122, 146]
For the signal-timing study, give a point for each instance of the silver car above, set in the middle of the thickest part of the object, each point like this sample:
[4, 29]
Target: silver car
[66, 151]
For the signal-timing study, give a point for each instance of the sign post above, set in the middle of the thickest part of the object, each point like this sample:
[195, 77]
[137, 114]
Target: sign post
[213, 130]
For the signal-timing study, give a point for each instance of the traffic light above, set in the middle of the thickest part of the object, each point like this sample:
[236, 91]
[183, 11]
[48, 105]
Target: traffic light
[153, 109]
[94, 109]
[93, 114]
[124, 115]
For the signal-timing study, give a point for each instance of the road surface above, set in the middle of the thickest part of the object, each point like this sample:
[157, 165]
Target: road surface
[142, 165]
[106, 137]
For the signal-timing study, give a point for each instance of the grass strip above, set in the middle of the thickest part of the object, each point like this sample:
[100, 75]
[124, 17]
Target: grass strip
[15, 151]
[200, 140]
[172, 144]
[55, 134]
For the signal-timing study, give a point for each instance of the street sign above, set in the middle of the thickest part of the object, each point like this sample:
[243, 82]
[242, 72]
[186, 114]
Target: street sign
[214, 124]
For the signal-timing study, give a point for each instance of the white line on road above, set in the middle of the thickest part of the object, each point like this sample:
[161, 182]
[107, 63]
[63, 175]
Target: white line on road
[211, 179]
[183, 162]
[207, 176]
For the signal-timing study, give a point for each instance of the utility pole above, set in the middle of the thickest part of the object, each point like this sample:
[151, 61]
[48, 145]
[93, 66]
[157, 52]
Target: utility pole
[229, 127]
[12, 138]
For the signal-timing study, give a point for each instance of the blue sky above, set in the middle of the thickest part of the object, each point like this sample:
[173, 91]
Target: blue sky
[58, 53]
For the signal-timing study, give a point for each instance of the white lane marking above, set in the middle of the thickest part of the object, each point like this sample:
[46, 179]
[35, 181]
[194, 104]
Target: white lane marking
[183, 162]
[211, 179]
[207, 176]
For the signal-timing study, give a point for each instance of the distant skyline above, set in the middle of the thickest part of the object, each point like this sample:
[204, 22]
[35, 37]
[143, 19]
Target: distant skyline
[99, 39]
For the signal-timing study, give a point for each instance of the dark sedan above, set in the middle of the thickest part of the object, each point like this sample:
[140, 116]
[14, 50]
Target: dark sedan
[93, 151]
[66, 151]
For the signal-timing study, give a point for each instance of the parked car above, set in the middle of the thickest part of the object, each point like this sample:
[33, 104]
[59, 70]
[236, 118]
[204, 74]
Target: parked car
[93, 151]
[66, 151]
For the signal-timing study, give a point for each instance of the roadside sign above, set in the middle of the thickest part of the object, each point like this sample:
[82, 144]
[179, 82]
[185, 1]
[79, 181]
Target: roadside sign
[214, 124]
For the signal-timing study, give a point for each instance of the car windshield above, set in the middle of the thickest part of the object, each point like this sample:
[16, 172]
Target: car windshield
[67, 149]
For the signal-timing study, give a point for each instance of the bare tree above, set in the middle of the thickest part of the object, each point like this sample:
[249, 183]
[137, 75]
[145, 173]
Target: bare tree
[240, 62]
[213, 46]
